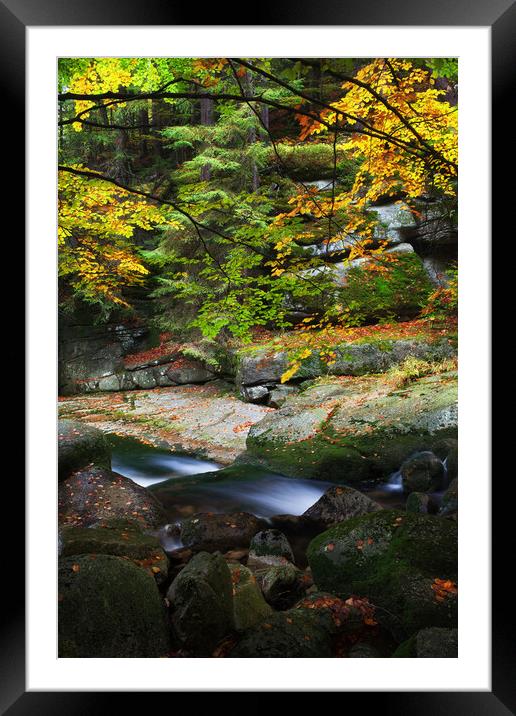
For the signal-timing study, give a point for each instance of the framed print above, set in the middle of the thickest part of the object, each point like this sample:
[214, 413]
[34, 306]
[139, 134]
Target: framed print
[260, 356]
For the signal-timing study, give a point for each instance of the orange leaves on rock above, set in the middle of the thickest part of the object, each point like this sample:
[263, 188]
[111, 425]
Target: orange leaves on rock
[341, 611]
[243, 426]
[443, 589]
[329, 547]
[76, 568]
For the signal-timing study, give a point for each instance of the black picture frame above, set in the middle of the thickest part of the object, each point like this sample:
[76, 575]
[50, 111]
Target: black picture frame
[500, 16]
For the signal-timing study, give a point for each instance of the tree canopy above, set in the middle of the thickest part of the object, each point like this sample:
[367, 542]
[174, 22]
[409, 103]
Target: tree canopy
[192, 181]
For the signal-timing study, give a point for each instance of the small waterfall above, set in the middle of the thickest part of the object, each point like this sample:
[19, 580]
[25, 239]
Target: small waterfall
[394, 483]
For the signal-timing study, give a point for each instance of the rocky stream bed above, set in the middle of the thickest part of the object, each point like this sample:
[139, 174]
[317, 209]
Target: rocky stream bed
[192, 523]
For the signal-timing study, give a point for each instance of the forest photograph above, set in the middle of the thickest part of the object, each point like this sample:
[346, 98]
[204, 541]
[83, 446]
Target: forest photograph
[257, 357]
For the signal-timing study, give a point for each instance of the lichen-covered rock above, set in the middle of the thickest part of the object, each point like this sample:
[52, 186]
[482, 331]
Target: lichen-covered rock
[208, 531]
[259, 367]
[431, 643]
[450, 501]
[121, 540]
[422, 472]
[281, 586]
[80, 445]
[249, 606]
[201, 603]
[337, 504]
[270, 547]
[297, 633]
[109, 608]
[355, 429]
[279, 394]
[404, 563]
[94, 495]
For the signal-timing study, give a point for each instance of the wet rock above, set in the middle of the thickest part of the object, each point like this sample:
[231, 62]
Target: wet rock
[450, 501]
[249, 606]
[270, 547]
[431, 643]
[121, 540]
[422, 472]
[418, 502]
[95, 495]
[109, 608]
[281, 586]
[333, 431]
[201, 603]
[297, 633]
[80, 445]
[209, 532]
[337, 504]
[393, 558]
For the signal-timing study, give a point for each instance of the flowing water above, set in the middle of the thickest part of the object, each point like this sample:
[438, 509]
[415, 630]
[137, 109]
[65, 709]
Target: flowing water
[187, 485]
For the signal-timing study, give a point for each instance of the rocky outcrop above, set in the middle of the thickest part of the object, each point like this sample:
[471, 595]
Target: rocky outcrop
[93, 495]
[404, 563]
[80, 445]
[109, 608]
[356, 429]
[269, 548]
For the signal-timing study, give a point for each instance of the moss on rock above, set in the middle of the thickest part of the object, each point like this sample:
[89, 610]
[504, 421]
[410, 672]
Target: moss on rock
[80, 445]
[108, 607]
[393, 558]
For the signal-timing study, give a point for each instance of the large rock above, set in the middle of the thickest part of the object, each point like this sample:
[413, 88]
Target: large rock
[249, 606]
[121, 539]
[281, 586]
[209, 531]
[431, 643]
[270, 547]
[297, 633]
[184, 371]
[375, 356]
[201, 603]
[80, 445]
[348, 431]
[109, 608]
[405, 564]
[450, 501]
[339, 503]
[422, 472]
[259, 367]
[94, 495]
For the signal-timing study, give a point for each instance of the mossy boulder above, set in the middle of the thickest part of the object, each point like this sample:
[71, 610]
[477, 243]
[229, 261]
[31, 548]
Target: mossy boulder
[450, 501]
[297, 633]
[126, 541]
[270, 547]
[431, 643]
[418, 502]
[281, 586]
[94, 495]
[339, 503]
[249, 606]
[109, 608]
[201, 603]
[80, 445]
[398, 561]
[355, 429]
[422, 472]
[208, 531]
